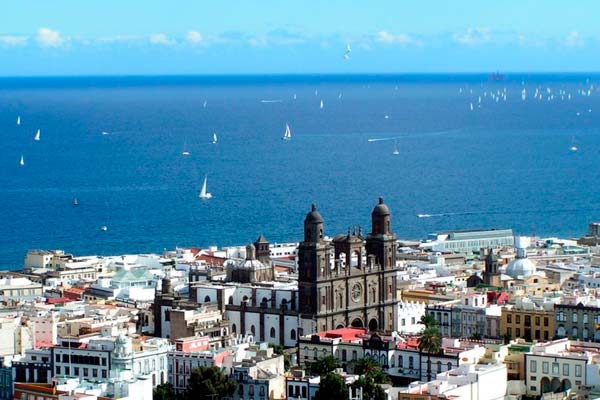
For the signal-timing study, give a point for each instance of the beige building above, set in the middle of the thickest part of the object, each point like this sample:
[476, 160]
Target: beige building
[525, 319]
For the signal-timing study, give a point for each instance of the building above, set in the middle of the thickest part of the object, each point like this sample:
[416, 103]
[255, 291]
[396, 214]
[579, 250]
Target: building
[471, 241]
[19, 289]
[260, 375]
[301, 387]
[467, 382]
[525, 319]
[578, 319]
[560, 365]
[358, 286]
[409, 317]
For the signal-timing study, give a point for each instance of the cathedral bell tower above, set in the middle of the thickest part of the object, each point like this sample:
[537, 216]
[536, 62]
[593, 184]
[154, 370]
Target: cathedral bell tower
[313, 260]
[381, 242]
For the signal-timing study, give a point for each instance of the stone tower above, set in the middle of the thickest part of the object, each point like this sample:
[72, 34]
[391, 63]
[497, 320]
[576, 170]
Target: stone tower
[491, 276]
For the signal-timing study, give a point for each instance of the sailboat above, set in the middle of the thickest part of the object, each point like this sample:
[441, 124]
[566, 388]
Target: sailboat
[321, 104]
[75, 201]
[204, 195]
[573, 146]
[396, 150]
[22, 162]
[204, 104]
[185, 152]
[19, 120]
[37, 135]
[288, 133]
[215, 138]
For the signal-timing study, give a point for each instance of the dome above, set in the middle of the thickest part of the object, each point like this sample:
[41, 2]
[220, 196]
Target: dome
[521, 267]
[381, 209]
[313, 216]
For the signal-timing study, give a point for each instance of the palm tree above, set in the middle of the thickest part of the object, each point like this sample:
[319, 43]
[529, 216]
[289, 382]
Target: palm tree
[430, 342]
[428, 320]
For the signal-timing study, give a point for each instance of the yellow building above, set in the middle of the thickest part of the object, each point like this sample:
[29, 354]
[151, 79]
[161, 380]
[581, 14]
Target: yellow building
[527, 320]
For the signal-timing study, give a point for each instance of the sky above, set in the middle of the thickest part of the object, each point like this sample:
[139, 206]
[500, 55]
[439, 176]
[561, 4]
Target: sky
[139, 37]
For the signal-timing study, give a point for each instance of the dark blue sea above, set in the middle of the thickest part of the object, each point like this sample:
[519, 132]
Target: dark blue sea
[504, 164]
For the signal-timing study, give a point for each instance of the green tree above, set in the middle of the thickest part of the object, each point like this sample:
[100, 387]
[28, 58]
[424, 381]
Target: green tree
[370, 389]
[209, 383]
[279, 349]
[476, 336]
[332, 386]
[164, 392]
[323, 366]
[371, 369]
[430, 342]
[428, 320]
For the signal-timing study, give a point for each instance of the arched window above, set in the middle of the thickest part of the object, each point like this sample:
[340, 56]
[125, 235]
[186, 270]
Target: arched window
[253, 330]
[272, 332]
[449, 366]
[233, 328]
[439, 367]
[400, 361]
[264, 302]
[293, 334]
[230, 300]
[315, 354]
[207, 299]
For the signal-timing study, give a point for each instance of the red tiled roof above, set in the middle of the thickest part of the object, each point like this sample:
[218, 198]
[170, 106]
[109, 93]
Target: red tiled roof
[344, 333]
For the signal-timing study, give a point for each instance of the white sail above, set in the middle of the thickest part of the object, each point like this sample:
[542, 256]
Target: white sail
[288, 133]
[204, 195]
[19, 120]
[321, 105]
[215, 138]
[204, 104]
[22, 162]
[185, 151]
[37, 135]
[573, 145]
[396, 150]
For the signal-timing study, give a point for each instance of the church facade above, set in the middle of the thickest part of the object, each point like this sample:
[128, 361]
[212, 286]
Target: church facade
[351, 280]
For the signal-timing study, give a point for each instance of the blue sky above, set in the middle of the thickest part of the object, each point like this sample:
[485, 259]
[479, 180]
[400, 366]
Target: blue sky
[74, 37]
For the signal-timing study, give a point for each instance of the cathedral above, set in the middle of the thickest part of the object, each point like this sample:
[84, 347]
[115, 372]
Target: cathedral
[351, 280]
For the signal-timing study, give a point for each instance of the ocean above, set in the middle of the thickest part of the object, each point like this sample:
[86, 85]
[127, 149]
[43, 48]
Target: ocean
[506, 164]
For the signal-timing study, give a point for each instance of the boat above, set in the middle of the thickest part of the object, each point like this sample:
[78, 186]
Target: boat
[37, 135]
[497, 77]
[75, 201]
[104, 133]
[423, 215]
[295, 96]
[185, 152]
[321, 104]
[204, 195]
[396, 150]
[204, 104]
[471, 106]
[573, 146]
[288, 133]
[22, 162]
[215, 138]
[103, 228]
[19, 120]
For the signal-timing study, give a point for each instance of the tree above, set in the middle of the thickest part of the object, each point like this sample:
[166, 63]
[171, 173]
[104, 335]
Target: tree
[430, 342]
[279, 349]
[371, 369]
[428, 320]
[332, 386]
[209, 383]
[323, 366]
[370, 389]
[476, 336]
[164, 392]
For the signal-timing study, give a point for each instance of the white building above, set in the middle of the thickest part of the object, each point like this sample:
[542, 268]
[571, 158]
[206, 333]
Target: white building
[409, 317]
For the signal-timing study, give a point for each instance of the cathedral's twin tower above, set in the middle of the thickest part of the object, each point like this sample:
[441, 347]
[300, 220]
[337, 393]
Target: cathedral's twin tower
[355, 288]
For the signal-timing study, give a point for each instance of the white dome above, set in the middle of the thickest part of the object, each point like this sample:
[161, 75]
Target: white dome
[521, 267]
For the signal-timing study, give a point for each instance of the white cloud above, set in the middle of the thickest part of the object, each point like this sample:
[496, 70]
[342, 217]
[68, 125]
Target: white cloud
[10, 40]
[574, 39]
[390, 38]
[195, 37]
[47, 37]
[162, 39]
[120, 39]
[473, 36]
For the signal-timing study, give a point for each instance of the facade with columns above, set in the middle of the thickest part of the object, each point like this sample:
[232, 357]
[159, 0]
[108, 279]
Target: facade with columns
[358, 286]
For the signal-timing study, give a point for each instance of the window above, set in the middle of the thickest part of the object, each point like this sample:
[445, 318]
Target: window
[67, 371]
[304, 391]
[251, 390]
[533, 366]
[403, 322]
[509, 318]
[343, 355]
[411, 362]
[85, 372]
[207, 299]
[94, 372]
[585, 318]
[76, 371]
[533, 378]
[555, 369]
[439, 367]
[546, 322]
[354, 355]
[167, 315]
[509, 332]
[261, 391]
[518, 332]
[574, 317]
[565, 369]
[537, 321]
[527, 320]
[518, 319]
[545, 367]
[315, 354]
[575, 332]
[104, 373]
[400, 361]
[293, 334]
[272, 332]
[578, 371]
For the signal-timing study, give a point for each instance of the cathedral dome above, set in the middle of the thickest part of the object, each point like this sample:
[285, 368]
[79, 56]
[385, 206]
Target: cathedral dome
[313, 216]
[381, 209]
[521, 267]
